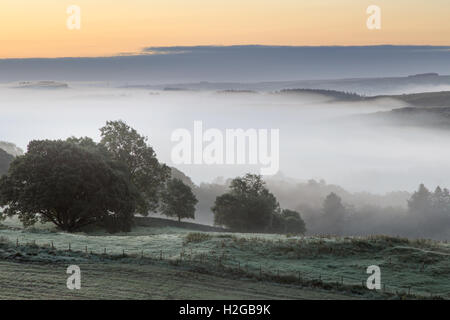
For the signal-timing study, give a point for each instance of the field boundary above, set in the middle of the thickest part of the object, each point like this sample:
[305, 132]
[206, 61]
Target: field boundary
[226, 265]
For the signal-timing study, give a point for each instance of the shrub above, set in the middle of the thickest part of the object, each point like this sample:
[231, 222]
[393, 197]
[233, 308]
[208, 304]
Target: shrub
[196, 237]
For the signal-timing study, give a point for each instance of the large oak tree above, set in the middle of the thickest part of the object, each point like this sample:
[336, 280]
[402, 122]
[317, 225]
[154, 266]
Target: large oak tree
[68, 184]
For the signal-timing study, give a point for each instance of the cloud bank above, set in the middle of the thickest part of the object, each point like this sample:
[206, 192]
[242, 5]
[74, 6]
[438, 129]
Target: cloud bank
[255, 63]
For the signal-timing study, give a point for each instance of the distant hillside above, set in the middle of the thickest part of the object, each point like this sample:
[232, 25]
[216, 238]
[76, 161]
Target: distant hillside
[177, 174]
[363, 86]
[11, 148]
[425, 99]
[232, 91]
[42, 85]
[436, 117]
[332, 94]
[5, 161]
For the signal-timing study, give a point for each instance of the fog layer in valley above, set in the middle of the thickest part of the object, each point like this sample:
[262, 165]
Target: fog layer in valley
[319, 139]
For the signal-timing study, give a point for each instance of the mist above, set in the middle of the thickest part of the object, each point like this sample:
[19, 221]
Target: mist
[318, 139]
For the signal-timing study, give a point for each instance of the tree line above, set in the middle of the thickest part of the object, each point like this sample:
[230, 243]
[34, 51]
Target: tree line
[77, 182]
[427, 215]
[430, 211]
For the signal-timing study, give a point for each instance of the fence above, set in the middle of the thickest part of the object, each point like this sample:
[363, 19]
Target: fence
[205, 261]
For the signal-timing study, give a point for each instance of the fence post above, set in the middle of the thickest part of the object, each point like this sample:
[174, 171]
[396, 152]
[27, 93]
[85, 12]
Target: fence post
[142, 254]
[69, 246]
[160, 255]
[17, 242]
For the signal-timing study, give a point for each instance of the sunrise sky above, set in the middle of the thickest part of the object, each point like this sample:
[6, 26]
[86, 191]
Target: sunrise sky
[113, 27]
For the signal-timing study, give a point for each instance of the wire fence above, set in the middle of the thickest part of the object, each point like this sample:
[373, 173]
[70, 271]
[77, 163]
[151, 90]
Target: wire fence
[210, 262]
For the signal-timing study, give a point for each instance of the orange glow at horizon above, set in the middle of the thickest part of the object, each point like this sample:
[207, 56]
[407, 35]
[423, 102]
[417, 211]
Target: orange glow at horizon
[38, 28]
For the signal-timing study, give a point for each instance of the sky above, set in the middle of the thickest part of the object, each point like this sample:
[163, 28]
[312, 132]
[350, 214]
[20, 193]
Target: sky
[38, 29]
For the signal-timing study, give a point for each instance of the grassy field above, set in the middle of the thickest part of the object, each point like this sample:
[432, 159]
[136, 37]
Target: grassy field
[218, 265]
[148, 281]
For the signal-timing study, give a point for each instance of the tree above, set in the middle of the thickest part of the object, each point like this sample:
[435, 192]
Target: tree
[278, 224]
[89, 144]
[420, 201]
[68, 185]
[5, 161]
[177, 200]
[248, 206]
[430, 211]
[147, 174]
[334, 212]
[441, 201]
[293, 222]
[230, 212]
[288, 221]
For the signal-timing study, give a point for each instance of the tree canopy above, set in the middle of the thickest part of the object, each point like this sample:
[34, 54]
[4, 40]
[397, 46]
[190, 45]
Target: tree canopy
[288, 222]
[67, 184]
[178, 200]
[293, 222]
[248, 206]
[78, 182]
[149, 176]
[430, 210]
